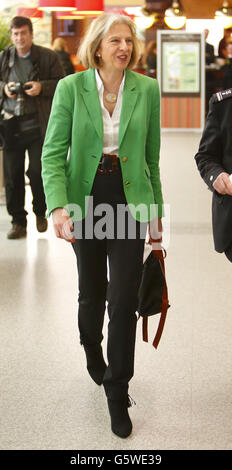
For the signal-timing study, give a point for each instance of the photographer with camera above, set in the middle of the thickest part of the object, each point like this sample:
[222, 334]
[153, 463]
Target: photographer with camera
[28, 78]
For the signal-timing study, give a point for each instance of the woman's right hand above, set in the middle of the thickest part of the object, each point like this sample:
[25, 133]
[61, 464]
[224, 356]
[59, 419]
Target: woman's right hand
[62, 224]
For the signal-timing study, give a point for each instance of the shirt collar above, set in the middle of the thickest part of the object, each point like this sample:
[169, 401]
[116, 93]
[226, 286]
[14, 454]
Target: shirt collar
[100, 85]
[24, 56]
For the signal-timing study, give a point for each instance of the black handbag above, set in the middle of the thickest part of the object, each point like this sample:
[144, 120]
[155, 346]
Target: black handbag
[153, 292]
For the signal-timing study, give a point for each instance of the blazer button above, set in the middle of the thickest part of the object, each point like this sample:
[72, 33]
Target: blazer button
[127, 183]
[124, 159]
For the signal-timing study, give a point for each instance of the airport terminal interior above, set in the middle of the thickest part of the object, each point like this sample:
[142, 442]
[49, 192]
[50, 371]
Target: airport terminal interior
[182, 390]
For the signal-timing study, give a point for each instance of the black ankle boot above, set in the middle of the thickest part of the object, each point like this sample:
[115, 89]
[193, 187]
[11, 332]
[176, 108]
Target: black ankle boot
[96, 365]
[121, 424]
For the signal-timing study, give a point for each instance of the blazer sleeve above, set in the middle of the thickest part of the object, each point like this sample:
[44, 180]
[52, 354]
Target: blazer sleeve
[56, 147]
[209, 156]
[153, 146]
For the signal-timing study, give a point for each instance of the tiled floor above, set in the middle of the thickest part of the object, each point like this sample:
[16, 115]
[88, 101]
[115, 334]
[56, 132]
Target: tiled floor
[183, 391]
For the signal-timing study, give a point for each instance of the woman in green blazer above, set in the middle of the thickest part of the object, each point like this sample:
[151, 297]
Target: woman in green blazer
[101, 156]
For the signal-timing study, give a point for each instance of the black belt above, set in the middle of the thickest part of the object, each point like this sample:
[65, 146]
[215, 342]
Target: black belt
[109, 164]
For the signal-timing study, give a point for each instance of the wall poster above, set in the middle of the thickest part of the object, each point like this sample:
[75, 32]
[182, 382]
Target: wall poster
[181, 65]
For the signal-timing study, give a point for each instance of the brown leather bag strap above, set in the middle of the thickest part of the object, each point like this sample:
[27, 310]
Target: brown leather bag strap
[164, 307]
[154, 240]
[145, 334]
[160, 255]
[159, 329]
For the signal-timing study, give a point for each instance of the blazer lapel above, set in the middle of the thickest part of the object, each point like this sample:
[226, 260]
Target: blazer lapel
[130, 96]
[92, 103]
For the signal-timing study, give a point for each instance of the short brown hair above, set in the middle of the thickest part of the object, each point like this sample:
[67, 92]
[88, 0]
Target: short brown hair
[19, 21]
[97, 30]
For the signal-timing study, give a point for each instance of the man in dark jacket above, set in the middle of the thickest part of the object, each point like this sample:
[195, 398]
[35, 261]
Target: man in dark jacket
[209, 50]
[28, 78]
[214, 161]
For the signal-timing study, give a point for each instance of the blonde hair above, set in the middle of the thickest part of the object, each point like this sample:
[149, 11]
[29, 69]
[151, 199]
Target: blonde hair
[59, 44]
[96, 32]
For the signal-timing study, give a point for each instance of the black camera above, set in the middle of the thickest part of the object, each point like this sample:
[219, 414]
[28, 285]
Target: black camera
[18, 89]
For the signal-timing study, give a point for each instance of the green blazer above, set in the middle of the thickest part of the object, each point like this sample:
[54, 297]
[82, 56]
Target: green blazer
[73, 144]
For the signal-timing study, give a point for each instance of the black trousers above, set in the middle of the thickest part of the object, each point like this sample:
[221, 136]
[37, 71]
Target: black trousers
[119, 288]
[14, 169]
[228, 253]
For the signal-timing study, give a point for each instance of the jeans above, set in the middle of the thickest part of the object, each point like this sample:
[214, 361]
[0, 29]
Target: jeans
[14, 169]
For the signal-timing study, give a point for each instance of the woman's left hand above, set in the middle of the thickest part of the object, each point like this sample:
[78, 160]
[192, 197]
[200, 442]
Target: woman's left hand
[63, 225]
[160, 227]
[155, 233]
[156, 229]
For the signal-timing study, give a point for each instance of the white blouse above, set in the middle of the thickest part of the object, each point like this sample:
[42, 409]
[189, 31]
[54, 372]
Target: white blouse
[110, 123]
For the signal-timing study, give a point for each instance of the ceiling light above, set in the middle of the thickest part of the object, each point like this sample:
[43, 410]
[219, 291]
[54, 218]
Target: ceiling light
[29, 12]
[174, 16]
[56, 5]
[224, 15]
[68, 15]
[144, 22]
[90, 7]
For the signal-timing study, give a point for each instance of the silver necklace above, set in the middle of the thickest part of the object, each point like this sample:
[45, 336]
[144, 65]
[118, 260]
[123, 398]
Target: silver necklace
[111, 97]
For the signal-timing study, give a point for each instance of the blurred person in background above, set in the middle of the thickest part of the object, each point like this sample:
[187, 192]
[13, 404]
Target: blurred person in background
[209, 50]
[209, 77]
[150, 59]
[223, 43]
[61, 48]
[227, 67]
[28, 78]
